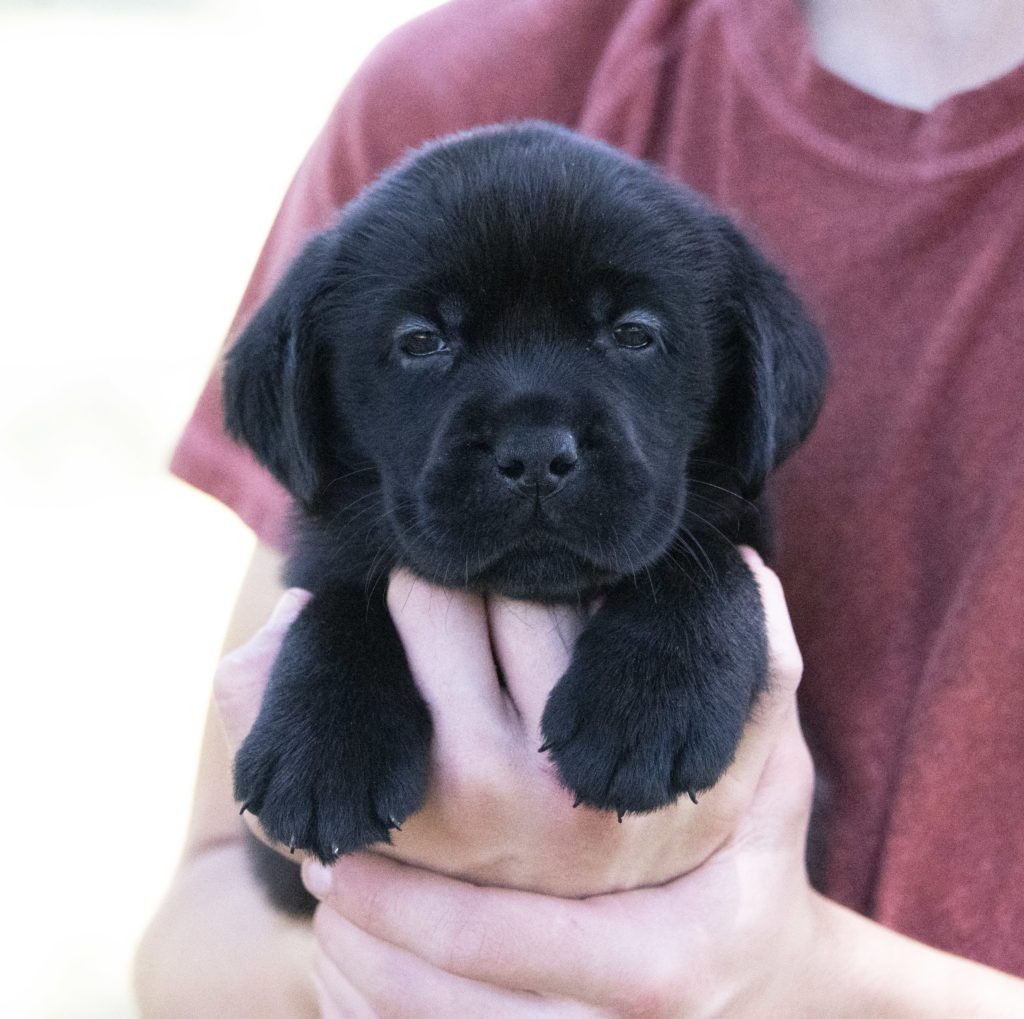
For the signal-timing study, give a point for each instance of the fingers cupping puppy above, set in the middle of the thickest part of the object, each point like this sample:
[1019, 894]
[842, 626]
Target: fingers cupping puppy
[496, 812]
[735, 934]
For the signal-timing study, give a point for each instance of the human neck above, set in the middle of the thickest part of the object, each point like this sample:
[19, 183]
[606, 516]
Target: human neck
[916, 53]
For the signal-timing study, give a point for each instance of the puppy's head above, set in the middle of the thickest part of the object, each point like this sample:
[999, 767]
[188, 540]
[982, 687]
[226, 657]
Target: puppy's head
[532, 348]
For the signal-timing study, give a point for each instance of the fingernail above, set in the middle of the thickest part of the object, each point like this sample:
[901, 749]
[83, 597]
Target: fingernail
[317, 878]
[287, 608]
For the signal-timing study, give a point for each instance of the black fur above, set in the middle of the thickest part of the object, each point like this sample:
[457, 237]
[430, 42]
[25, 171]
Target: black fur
[525, 363]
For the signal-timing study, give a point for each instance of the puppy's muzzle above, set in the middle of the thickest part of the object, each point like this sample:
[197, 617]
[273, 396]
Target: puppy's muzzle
[536, 461]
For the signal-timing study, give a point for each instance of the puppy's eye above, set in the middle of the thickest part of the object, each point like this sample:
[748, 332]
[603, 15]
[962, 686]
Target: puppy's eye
[632, 336]
[422, 343]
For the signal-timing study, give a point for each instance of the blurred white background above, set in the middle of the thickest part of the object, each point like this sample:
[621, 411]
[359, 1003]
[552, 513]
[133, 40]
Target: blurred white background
[145, 148]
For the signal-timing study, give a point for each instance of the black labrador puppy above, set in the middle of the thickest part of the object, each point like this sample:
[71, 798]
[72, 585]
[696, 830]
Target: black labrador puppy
[521, 362]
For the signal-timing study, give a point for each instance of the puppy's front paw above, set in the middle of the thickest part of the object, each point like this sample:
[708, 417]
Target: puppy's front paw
[329, 789]
[634, 723]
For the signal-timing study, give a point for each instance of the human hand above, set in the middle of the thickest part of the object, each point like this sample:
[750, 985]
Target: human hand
[742, 934]
[496, 813]
[737, 935]
[498, 816]
[240, 683]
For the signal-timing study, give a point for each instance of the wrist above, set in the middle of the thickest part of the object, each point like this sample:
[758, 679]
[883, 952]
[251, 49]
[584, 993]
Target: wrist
[216, 947]
[859, 968]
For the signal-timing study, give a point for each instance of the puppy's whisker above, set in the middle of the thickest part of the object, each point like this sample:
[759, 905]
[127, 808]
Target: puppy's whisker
[615, 551]
[707, 523]
[726, 491]
[344, 477]
[677, 564]
[727, 468]
[646, 568]
[377, 570]
[348, 506]
[369, 587]
[704, 561]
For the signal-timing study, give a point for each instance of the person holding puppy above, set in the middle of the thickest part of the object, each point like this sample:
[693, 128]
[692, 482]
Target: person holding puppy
[873, 150]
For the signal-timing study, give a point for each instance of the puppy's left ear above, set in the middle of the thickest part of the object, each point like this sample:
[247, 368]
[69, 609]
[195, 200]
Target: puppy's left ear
[774, 368]
[275, 387]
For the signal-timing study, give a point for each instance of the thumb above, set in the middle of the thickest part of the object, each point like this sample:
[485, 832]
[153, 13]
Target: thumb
[776, 707]
[241, 676]
[785, 664]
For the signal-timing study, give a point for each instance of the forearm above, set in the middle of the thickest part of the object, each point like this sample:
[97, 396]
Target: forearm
[863, 969]
[217, 949]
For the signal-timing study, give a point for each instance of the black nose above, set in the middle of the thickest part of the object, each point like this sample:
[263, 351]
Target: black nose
[536, 461]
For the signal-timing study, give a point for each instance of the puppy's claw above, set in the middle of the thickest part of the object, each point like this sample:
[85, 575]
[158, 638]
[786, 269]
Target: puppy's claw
[620, 814]
[545, 746]
[692, 793]
[291, 845]
[393, 825]
[577, 801]
[335, 849]
[245, 807]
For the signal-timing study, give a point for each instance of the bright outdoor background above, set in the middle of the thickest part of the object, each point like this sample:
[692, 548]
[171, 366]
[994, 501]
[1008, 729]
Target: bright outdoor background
[144, 148]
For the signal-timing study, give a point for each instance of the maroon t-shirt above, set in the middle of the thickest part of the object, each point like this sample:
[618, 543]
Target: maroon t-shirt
[902, 519]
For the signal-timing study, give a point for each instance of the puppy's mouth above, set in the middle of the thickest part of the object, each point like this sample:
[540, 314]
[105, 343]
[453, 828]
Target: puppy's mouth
[531, 562]
[539, 567]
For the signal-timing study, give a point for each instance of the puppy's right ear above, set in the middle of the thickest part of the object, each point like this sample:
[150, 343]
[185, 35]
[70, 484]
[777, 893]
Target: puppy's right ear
[276, 389]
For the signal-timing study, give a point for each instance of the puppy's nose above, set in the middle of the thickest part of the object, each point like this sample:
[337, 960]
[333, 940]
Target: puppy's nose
[536, 461]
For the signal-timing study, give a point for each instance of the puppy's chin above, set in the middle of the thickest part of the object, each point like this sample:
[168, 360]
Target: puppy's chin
[536, 568]
[543, 572]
